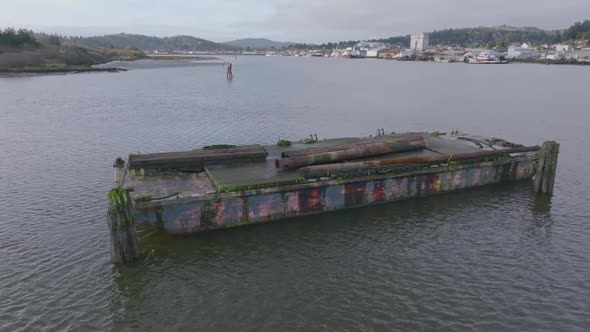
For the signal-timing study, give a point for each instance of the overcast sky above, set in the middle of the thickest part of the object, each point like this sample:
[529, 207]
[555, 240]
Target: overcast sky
[284, 20]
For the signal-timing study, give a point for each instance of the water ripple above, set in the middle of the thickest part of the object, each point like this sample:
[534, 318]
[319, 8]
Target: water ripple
[496, 258]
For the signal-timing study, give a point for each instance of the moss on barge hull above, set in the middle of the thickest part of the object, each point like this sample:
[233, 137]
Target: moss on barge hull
[224, 210]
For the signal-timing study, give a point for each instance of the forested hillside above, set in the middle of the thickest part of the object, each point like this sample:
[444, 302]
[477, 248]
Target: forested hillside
[488, 36]
[25, 51]
[151, 43]
[578, 31]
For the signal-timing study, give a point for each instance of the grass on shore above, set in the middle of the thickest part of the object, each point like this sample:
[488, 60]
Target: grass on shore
[67, 57]
[56, 69]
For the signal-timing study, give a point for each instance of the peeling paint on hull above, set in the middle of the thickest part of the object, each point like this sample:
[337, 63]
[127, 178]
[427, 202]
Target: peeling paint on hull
[226, 210]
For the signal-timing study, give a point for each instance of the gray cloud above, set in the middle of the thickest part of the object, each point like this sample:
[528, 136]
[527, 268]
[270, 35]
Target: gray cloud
[292, 20]
[343, 19]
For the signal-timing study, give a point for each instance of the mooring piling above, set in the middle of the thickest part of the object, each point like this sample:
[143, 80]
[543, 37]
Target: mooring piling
[546, 167]
[119, 166]
[124, 243]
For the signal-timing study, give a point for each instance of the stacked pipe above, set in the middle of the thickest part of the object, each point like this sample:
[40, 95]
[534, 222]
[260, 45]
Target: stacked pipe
[352, 151]
[197, 158]
[330, 148]
[327, 170]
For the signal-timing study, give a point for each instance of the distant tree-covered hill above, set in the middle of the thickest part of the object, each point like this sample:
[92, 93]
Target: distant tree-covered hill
[578, 31]
[151, 43]
[11, 38]
[491, 36]
[500, 36]
[469, 37]
[480, 37]
[257, 44]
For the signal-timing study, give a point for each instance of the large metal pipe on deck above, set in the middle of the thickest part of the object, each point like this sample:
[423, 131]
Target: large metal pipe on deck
[358, 152]
[327, 170]
[197, 158]
[330, 148]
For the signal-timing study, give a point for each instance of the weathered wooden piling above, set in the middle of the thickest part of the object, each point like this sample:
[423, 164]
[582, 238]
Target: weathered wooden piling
[546, 167]
[124, 244]
[119, 167]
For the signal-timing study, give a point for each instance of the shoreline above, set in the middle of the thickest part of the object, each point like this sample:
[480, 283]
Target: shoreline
[181, 57]
[103, 67]
[551, 62]
[58, 70]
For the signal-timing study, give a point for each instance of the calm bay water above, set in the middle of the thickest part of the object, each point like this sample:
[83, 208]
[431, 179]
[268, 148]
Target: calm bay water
[495, 258]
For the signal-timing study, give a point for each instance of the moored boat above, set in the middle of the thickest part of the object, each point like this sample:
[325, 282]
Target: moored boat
[486, 57]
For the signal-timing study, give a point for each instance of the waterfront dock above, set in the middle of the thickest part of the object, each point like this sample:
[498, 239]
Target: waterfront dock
[228, 186]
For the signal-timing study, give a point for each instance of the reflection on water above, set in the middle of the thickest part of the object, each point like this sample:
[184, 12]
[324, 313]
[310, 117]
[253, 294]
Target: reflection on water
[493, 258]
[374, 256]
[542, 204]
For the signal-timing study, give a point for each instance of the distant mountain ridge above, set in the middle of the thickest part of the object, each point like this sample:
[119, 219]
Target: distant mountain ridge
[175, 43]
[257, 44]
[151, 43]
[497, 36]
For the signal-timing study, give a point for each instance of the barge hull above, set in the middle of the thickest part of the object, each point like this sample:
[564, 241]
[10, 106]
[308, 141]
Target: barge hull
[186, 215]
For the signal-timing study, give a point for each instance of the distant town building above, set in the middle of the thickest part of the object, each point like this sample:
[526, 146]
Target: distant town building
[419, 41]
[368, 45]
[451, 55]
[368, 49]
[389, 53]
[582, 55]
[515, 52]
[555, 56]
[563, 48]
[454, 52]
[407, 53]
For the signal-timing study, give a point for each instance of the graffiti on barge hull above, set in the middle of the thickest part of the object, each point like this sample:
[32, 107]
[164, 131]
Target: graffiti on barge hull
[264, 205]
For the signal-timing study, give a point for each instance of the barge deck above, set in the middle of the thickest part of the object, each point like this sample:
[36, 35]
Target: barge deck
[216, 195]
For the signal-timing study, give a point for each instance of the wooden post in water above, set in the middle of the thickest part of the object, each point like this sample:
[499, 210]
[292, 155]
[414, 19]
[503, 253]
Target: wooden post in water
[546, 167]
[119, 167]
[124, 243]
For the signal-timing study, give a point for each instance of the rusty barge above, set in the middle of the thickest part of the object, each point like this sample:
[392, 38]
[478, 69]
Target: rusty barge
[227, 186]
